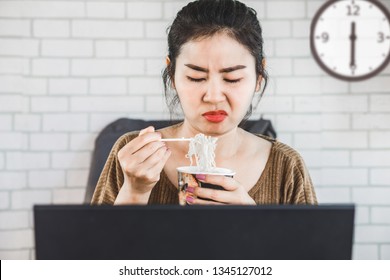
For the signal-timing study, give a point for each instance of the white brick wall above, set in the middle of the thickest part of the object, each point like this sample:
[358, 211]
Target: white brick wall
[385, 252]
[285, 9]
[12, 180]
[68, 86]
[2, 161]
[107, 67]
[15, 239]
[14, 219]
[27, 160]
[106, 10]
[11, 103]
[77, 178]
[42, 9]
[110, 48]
[34, 86]
[19, 47]
[25, 199]
[12, 27]
[366, 252]
[51, 28]
[50, 67]
[108, 86]
[65, 122]
[46, 179]
[380, 176]
[107, 29]
[13, 141]
[13, 65]
[371, 195]
[68, 68]
[48, 141]
[370, 234]
[66, 48]
[4, 200]
[27, 122]
[144, 10]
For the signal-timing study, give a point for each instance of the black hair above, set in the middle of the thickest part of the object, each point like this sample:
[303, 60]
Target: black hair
[205, 18]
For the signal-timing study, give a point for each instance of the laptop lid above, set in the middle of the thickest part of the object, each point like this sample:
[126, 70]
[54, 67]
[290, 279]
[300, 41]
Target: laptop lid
[194, 232]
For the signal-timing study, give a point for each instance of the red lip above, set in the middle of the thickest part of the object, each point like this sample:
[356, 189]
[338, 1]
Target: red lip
[215, 116]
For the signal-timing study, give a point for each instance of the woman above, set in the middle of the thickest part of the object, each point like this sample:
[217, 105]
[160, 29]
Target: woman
[215, 68]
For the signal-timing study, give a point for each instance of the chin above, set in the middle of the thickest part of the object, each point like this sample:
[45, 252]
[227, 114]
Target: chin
[218, 129]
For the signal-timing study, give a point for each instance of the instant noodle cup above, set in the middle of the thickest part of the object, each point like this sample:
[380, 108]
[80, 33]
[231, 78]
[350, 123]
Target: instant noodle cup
[187, 178]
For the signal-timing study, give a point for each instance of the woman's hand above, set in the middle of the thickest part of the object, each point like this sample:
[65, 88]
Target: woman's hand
[142, 161]
[234, 192]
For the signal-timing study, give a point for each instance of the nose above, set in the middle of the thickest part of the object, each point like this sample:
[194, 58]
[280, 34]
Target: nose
[214, 92]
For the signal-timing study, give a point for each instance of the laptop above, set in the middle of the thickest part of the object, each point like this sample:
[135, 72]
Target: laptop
[173, 232]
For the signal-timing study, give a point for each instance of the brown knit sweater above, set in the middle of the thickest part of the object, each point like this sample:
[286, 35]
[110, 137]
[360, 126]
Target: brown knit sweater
[285, 179]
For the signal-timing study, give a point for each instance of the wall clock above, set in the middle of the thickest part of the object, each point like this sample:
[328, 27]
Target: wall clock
[350, 39]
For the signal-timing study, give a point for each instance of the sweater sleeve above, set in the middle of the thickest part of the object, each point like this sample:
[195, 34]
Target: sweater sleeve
[111, 179]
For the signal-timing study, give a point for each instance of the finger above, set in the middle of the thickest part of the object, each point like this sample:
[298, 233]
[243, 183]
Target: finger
[148, 151]
[227, 183]
[146, 130]
[198, 201]
[215, 195]
[139, 142]
[150, 169]
[130, 161]
[156, 157]
[161, 161]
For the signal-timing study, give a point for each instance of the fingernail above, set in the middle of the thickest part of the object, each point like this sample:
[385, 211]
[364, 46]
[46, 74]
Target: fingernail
[200, 176]
[190, 189]
[189, 199]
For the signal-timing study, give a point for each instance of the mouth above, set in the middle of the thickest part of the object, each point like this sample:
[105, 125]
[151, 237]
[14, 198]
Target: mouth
[215, 116]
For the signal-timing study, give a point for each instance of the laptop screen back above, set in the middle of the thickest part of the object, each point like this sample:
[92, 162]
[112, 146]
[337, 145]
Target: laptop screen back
[191, 232]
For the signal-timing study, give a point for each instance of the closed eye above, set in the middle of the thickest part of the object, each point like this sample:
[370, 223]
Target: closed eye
[196, 80]
[232, 81]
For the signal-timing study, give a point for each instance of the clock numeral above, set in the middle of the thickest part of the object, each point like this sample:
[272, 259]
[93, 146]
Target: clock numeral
[353, 10]
[324, 37]
[381, 37]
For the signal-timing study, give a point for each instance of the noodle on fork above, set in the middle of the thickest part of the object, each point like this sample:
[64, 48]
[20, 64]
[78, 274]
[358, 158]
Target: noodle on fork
[202, 147]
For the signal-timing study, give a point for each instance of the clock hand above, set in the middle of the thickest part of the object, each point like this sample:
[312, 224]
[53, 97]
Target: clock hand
[352, 38]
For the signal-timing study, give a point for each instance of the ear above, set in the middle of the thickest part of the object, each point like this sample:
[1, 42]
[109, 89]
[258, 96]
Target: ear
[260, 78]
[258, 83]
[168, 62]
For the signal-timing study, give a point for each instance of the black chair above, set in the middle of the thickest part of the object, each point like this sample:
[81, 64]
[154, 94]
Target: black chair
[108, 136]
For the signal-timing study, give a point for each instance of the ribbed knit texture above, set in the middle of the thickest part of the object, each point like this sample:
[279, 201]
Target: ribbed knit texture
[285, 179]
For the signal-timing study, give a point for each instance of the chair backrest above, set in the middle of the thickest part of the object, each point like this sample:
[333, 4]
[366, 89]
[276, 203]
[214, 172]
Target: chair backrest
[108, 136]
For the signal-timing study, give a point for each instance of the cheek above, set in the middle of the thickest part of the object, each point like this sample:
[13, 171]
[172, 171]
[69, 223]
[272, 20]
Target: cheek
[188, 89]
[188, 95]
[243, 92]
[241, 98]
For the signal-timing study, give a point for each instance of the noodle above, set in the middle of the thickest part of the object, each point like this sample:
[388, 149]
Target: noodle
[202, 147]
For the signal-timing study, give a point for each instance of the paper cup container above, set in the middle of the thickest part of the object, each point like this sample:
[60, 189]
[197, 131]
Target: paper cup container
[187, 178]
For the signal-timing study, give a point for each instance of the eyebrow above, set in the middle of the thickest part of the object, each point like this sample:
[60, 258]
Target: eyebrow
[223, 70]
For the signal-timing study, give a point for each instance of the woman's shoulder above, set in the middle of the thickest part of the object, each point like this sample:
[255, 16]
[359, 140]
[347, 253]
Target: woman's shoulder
[282, 151]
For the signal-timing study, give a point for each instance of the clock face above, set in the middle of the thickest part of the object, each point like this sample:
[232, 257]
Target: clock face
[350, 39]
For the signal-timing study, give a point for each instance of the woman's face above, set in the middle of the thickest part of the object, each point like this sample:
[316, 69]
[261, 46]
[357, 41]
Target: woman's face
[215, 79]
